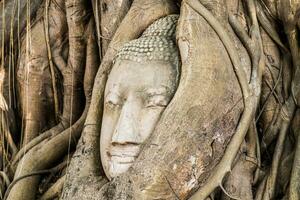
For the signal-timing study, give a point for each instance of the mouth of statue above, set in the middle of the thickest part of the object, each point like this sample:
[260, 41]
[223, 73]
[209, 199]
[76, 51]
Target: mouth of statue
[123, 154]
[123, 159]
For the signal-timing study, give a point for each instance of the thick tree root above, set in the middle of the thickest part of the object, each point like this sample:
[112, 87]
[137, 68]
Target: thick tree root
[31, 174]
[11, 21]
[39, 158]
[33, 67]
[294, 190]
[51, 65]
[37, 140]
[251, 93]
[55, 190]
[37, 173]
[77, 72]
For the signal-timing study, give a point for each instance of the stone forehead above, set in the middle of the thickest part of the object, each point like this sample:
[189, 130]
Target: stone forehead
[156, 43]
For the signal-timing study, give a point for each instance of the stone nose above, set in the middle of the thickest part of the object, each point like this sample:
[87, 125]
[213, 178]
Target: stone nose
[126, 131]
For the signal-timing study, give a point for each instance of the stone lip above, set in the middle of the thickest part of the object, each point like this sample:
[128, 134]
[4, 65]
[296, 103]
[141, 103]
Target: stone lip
[124, 153]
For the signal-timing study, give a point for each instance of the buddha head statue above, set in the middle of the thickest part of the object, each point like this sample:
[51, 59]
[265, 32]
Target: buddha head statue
[142, 82]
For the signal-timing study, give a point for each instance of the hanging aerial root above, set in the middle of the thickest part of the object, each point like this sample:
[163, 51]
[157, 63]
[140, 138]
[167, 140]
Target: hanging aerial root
[36, 95]
[286, 115]
[59, 144]
[4, 176]
[72, 72]
[251, 92]
[7, 13]
[239, 182]
[52, 70]
[288, 109]
[5, 130]
[81, 69]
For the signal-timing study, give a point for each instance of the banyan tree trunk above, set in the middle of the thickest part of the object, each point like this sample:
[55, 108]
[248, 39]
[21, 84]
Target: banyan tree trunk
[188, 146]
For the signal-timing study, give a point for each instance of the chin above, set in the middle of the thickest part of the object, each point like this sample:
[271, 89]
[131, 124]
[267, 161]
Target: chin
[116, 168]
[121, 158]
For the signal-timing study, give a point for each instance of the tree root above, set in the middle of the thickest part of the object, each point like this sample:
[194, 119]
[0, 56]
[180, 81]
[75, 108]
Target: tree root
[39, 158]
[37, 140]
[268, 27]
[271, 180]
[55, 190]
[76, 71]
[34, 173]
[251, 92]
[52, 70]
[37, 173]
[260, 189]
[18, 20]
[72, 93]
[288, 110]
[4, 176]
[60, 144]
[295, 175]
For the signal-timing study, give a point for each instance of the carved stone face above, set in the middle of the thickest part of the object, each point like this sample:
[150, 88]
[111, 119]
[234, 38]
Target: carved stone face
[136, 94]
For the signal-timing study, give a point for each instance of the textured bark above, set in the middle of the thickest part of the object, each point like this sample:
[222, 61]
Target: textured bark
[13, 17]
[34, 79]
[78, 76]
[112, 13]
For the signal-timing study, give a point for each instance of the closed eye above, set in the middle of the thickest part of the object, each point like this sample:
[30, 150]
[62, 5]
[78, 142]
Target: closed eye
[157, 101]
[112, 104]
[113, 101]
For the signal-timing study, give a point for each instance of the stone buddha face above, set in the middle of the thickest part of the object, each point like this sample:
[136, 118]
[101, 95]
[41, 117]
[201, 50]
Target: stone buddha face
[136, 94]
[141, 84]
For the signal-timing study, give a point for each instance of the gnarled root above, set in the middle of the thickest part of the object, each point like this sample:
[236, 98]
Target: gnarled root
[251, 92]
[55, 190]
[77, 71]
[295, 175]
